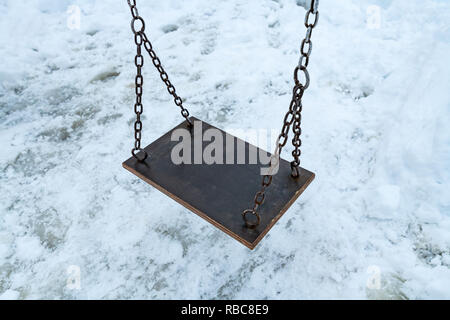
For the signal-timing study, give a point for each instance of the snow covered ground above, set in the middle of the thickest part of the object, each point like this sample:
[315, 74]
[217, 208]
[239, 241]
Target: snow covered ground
[374, 224]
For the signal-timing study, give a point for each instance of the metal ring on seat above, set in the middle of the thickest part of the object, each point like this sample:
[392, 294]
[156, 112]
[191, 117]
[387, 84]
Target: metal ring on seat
[135, 152]
[247, 223]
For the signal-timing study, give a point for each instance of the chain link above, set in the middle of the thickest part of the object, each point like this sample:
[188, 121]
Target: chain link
[293, 117]
[140, 38]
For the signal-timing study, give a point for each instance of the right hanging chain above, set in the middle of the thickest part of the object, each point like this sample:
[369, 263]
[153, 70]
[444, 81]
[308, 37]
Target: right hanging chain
[293, 116]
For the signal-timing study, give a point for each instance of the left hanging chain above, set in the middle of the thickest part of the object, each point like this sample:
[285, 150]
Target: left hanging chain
[140, 38]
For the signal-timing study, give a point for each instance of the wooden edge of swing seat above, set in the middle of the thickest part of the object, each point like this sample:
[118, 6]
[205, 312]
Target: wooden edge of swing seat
[219, 193]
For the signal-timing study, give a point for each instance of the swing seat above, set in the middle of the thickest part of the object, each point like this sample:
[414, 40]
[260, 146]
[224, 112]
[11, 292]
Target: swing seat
[219, 193]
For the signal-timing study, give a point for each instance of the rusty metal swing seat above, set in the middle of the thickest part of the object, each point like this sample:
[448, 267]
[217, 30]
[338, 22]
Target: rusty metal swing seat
[221, 193]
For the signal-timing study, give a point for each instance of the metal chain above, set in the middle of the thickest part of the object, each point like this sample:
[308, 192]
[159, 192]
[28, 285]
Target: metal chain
[296, 141]
[293, 116]
[139, 82]
[165, 78]
[140, 38]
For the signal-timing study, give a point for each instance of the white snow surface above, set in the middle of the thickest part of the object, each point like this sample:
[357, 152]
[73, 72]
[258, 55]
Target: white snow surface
[373, 225]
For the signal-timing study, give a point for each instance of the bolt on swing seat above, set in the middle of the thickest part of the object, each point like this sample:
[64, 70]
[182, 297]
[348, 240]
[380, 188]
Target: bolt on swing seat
[221, 192]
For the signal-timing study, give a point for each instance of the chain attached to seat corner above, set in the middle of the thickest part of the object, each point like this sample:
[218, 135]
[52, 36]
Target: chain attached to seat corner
[293, 116]
[140, 38]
